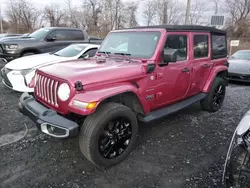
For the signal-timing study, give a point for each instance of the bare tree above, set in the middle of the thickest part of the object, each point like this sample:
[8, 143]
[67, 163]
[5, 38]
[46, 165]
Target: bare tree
[22, 15]
[168, 12]
[198, 10]
[149, 12]
[53, 14]
[131, 10]
[239, 17]
[92, 10]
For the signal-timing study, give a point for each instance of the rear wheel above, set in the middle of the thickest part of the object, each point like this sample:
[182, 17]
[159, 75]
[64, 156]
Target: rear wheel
[108, 136]
[215, 97]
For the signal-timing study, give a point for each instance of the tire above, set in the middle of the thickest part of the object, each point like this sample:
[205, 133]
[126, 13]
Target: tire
[97, 126]
[208, 103]
[28, 54]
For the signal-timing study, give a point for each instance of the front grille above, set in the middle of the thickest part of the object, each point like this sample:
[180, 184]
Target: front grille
[46, 89]
[1, 49]
[4, 73]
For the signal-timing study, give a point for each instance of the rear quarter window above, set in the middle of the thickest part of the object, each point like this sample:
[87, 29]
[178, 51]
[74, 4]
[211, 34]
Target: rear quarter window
[219, 46]
[201, 46]
[75, 35]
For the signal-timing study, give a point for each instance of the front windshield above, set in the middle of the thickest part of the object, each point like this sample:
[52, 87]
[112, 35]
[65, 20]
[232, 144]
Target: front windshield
[134, 44]
[244, 55]
[70, 51]
[40, 33]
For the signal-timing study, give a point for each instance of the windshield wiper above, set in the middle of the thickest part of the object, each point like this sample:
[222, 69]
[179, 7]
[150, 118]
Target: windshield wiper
[106, 53]
[126, 55]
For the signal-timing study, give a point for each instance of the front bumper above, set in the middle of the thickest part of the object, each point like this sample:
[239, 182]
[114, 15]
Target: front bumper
[239, 77]
[236, 169]
[9, 57]
[47, 120]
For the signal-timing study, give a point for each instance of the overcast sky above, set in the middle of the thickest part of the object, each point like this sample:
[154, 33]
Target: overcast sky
[42, 3]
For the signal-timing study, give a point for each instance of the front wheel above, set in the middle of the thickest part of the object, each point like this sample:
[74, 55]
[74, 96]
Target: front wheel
[215, 97]
[108, 136]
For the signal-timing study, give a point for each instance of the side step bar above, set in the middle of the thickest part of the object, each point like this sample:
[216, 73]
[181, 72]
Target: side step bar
[172, 108]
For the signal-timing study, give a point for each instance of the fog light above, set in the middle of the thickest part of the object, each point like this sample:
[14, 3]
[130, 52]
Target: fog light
[54, 131]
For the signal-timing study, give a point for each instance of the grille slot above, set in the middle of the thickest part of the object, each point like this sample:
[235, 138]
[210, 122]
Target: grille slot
[46, 89]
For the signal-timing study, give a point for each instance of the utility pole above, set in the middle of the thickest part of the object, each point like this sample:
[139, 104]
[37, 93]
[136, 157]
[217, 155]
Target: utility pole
[187, 12]
[1, 19]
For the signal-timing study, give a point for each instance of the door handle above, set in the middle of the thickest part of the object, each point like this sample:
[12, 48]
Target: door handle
[186, 70]
[206, 65]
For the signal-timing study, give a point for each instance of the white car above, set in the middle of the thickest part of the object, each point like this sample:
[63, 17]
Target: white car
[18, 74]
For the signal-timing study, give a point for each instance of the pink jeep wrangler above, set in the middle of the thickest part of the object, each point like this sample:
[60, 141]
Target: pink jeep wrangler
[138, 75]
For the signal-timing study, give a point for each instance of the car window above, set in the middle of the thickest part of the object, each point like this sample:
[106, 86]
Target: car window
[243, 55]
[40, 33]
[200, 46]
[136, 44]
[219, 46]
[178, 43]
[74, 35]
[59, 34]
[90, 53]
[70, 51]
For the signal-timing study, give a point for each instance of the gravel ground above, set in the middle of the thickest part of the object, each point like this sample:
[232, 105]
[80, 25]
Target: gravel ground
[185, 150]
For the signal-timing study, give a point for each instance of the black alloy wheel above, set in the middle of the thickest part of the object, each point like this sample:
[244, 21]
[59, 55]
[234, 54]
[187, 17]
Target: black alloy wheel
[115, 138]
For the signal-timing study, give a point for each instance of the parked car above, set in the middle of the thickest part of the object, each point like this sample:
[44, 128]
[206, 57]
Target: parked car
[102, 100]
[237, 164]
[42, 41]
[18, 74]
[239, 66]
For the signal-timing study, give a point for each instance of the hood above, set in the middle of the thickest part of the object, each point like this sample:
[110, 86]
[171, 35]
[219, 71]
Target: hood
[29, 62]
[17, 39]
[4, 38]
[239, 66]
[89, 71]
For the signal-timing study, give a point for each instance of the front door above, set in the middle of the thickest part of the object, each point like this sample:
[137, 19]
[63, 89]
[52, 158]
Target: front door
[175, 77]
[60, 42]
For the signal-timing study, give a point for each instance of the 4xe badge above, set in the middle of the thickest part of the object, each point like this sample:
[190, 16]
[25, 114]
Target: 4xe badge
[150, 97]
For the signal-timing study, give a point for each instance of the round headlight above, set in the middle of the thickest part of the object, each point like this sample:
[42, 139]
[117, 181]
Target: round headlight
[63, 92]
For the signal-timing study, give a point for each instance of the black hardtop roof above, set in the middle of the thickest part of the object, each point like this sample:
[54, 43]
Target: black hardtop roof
[198, 28]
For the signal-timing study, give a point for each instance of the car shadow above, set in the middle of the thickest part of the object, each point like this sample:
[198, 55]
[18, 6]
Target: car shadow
[239, 83]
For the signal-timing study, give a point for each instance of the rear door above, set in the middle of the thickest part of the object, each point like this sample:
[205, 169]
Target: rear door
[201, 61]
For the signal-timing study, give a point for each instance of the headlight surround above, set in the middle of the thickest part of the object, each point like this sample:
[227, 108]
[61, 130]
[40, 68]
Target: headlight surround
[11, 46]
[63, 92]
[29, 76]
[25, 71]
[244, 125]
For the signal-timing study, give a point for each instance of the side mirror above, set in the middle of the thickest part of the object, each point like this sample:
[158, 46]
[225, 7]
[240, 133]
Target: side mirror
[51, 39]
[169, 56]
[84, 56]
